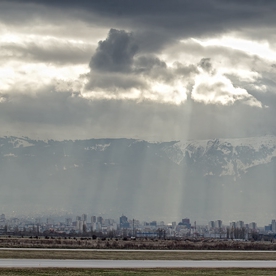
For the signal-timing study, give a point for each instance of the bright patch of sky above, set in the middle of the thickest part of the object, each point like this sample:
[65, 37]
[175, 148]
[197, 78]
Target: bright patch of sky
[261, 49]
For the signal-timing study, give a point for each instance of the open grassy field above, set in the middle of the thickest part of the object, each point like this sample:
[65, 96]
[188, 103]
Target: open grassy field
[136, 272]
[137, 255]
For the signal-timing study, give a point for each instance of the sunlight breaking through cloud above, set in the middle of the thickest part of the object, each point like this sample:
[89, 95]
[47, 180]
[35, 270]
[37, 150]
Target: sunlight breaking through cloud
[261, 49]
[217, 89]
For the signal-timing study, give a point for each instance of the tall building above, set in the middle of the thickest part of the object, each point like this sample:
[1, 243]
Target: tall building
[268, 228]
[93, 219]
[252, 226]
[80, 226]
[218, 224]
[211, 224]
[100, 220]
[240, 224]
[68, 221]
[84, 217]
[273, 226]
[232, 224]
[186, 221]
[124, 222]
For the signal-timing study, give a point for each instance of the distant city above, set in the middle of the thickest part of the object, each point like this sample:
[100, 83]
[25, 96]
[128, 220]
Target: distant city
[97, 226]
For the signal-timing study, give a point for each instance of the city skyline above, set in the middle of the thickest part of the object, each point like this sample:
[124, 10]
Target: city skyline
[98, 226]
[89, 217]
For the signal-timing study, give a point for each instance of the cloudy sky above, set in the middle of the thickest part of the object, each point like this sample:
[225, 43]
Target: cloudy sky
[154, 70]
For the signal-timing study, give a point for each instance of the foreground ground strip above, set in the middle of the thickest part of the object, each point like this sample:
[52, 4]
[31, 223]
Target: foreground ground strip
[135, 255]
[46, 263]
[136, 272]
[97, 255]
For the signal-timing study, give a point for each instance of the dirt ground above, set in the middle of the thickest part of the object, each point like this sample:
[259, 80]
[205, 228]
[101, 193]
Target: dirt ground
[136, 255]
[136, 272]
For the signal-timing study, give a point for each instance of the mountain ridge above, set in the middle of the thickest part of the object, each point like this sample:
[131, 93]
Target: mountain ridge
[167, 179]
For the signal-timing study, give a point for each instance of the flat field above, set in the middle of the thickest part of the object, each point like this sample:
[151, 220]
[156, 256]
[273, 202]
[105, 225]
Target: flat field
[136, 272]
[136, 255]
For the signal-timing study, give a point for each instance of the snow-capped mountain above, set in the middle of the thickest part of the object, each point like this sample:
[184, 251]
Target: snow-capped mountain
[224, 156]
[207, 179]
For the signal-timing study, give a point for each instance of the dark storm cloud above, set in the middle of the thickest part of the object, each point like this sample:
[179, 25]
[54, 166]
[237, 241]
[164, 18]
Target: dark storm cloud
[115, 53]
[147, 63]
[117, 66]
[157, 23]
[215, 9]
[152, 67]
[179, 11]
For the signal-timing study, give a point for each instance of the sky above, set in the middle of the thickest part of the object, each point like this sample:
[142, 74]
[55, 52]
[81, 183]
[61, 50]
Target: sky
[157, 70]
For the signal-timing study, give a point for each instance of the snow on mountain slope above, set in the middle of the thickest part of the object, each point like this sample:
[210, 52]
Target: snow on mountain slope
[233, 156]
[217, 157]
[20, 142]
[98, 147]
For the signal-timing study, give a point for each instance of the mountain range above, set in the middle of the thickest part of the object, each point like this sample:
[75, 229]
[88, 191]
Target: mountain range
[227, 179]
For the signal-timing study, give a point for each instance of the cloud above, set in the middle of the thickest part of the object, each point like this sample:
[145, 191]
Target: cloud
[115, 53]
[119, 71]
[147, 63]
[150, 62]
[161, 22]
[206, 64]
[141, 76]
[52, 50]
[220, 90]
[211, 86]
[113, 82]
[69, 115]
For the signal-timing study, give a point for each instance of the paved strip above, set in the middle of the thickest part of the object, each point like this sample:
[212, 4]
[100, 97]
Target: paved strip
[132, 264]
[132, 250]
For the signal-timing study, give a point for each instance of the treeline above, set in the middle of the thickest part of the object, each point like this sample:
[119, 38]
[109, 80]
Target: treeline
[127, 243]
